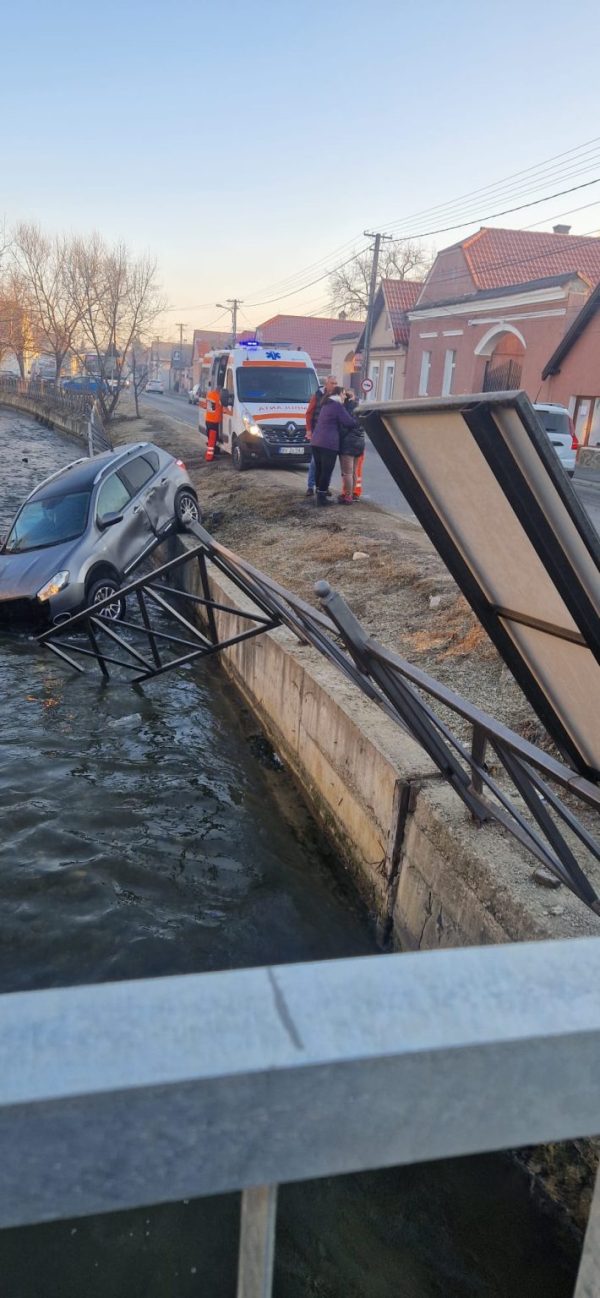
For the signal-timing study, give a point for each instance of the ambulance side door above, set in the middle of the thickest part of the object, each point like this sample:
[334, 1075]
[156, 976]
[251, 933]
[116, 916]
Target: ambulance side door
[228, 425]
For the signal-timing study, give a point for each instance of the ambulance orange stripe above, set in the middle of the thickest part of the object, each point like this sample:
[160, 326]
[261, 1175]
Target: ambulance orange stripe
[284, 416]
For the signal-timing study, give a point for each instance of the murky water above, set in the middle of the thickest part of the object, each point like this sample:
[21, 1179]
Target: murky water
[145, 833]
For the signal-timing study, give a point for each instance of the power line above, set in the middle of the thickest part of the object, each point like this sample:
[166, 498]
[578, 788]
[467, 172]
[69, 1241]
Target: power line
[487, 190]
[460, 224]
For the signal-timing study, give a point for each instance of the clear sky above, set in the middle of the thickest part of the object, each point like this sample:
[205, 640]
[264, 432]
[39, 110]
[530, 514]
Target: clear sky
[242, 143]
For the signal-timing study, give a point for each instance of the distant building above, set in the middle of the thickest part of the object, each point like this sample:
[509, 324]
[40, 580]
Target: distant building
[345, 357]
[493, 308]
[203, 341]
[389, 337]
[312, 334]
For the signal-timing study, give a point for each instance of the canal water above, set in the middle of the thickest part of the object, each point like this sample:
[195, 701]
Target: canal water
[152, 832]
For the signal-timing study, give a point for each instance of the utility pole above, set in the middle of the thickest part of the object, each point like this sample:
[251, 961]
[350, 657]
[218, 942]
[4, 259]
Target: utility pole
[232, 305]
[369, 234]
[180, 327]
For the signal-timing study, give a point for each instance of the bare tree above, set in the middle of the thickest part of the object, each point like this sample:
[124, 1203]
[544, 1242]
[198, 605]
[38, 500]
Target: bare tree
[349, 286]
[45, 265]
[140, 370]
[17, 318]
[117, 300]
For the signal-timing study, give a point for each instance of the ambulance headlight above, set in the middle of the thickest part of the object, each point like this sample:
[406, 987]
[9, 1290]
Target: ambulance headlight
[254, 429]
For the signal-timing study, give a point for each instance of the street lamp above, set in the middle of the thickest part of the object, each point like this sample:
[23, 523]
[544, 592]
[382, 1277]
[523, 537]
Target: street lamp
[232, 306]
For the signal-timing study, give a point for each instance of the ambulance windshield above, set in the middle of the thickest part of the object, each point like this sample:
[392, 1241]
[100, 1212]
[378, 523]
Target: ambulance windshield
[276, 383]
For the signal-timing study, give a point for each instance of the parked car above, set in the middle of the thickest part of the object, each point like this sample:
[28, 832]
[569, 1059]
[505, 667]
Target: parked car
[155, 385]
[558, 424]
[83, 531]
[82, 383]
[194, 395]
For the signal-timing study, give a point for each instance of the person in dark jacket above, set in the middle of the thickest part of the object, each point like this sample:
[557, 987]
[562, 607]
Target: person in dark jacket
[352, 448]
[312, 414]
[333, 421]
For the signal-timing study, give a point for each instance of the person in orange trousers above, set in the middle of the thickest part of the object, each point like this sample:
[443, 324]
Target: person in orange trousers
[358, 472]
[213, 403]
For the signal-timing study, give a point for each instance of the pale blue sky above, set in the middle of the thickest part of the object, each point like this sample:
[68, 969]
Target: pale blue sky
[241, 143]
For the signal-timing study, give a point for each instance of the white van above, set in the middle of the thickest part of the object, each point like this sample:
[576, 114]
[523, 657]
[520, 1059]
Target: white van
[256, 396]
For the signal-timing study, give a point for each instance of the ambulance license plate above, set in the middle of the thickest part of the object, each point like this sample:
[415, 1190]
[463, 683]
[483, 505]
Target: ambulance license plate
[291, 450]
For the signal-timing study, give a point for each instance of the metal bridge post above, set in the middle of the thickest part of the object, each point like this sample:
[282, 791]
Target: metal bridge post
[588, 1278]
[257, 1242]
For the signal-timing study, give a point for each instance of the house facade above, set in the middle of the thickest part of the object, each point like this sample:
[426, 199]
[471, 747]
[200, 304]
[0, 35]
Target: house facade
[494, 307]
[571, 377]
[389, 338]
[345, 357]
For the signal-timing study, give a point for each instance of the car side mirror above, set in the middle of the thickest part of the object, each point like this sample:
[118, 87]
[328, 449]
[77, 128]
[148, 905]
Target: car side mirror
[109, 520]
[226, 397]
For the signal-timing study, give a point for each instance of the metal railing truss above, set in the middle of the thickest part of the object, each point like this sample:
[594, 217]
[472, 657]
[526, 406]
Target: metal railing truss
[521, 798]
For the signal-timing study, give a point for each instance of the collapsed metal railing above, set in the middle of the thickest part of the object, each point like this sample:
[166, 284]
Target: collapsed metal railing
[539, 819]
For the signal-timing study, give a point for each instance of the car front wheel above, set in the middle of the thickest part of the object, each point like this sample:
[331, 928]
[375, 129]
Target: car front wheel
[186, 508]
[107, 588]
[240, 461]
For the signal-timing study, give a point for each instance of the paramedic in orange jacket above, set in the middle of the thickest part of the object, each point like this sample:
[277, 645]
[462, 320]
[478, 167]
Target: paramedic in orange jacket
[214, 415]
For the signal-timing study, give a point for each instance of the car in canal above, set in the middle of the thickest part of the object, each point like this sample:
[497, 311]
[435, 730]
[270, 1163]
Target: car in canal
[82, 533]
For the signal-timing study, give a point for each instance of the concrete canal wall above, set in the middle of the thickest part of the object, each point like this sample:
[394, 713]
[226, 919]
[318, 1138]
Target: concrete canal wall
[428, 874]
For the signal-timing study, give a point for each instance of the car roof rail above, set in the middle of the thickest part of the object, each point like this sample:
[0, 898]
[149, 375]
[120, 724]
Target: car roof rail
[56, 474]
[127, 450]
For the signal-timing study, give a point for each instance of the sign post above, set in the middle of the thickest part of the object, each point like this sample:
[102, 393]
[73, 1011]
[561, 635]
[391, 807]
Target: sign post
[367, 386]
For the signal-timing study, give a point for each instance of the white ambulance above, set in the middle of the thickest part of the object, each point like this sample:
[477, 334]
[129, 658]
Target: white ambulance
[256, 396]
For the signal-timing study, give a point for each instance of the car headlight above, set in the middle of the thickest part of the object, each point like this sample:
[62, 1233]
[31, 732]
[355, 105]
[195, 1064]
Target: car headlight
[252, 428]
[54, 586]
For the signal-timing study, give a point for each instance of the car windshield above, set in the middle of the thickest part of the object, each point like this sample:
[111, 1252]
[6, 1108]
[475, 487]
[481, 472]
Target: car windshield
[49, 521]
[280, 383]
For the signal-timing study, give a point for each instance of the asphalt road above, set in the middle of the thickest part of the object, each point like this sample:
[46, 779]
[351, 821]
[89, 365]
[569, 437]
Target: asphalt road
[379, 486]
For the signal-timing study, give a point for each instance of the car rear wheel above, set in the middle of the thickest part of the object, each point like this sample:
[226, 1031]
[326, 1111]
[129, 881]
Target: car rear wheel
[105, 588]
[186, 508]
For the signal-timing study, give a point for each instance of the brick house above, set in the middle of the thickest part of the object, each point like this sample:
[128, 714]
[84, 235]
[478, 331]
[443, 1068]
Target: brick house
[494, 307]
[389, 337]
[571, 377]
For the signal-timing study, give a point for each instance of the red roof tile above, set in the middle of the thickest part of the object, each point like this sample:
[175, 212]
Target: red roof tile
[312, 334]
[399, 296]
[502, 257]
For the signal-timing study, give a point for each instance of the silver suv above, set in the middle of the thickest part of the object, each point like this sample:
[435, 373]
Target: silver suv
[84, 530]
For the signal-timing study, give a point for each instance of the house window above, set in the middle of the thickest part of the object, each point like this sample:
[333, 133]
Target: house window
[425, 372]
[388, 381]
[449, 368]
[374, 369]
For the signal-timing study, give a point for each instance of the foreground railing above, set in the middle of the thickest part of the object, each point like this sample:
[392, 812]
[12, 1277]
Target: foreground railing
[127, 1094]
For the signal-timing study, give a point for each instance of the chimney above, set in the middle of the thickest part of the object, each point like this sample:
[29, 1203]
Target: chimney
[561, 229]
